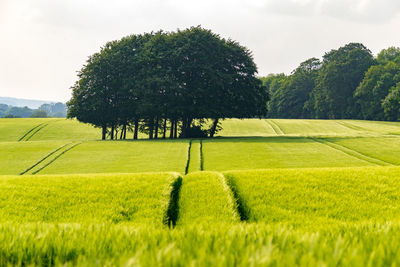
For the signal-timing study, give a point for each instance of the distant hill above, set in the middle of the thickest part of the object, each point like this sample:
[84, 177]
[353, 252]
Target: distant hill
[19, 102]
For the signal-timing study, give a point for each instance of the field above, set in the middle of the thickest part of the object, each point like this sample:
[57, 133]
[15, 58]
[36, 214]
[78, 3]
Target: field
[263, 192]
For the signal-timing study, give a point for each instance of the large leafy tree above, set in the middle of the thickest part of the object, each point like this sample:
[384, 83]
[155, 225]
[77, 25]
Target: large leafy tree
[295, 90]
[184, 77]
[342, 71]
[92, 97]
[273, 83]
[378, 82]
[376, 85]
[391, 104]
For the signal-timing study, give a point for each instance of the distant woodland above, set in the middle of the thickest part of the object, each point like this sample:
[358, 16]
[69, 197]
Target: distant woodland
[45, 110]
[349, 83]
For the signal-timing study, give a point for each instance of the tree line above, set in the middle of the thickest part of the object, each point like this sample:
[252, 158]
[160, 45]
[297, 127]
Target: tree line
[58, 110]
[349, 83]
[167, 85]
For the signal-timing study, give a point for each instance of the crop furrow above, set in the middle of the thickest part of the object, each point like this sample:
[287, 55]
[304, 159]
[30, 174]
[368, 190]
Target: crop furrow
[352, 127]
[241, 207]
[232, 200]
[172, 213]
[43, 159]
[35, 132]
[353, 153]
[201, 156]
[195, 156]
[28, 132]
[56, 157]
[272, 127]
[275, 126]
[188, 158]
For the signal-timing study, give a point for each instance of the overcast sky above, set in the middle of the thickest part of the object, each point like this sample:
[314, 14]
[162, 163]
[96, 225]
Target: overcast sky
[45, 42]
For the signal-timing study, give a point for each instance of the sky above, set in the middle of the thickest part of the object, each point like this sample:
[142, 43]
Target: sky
[43, 43]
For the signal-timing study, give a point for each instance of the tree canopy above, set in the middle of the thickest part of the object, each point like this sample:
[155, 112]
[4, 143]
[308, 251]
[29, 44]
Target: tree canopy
[173, 81]
[349, 83]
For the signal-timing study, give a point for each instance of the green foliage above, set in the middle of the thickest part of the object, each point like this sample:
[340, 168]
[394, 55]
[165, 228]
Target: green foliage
[18, 112]
[373, 92]
[180, 76]
[342, 71]
[58, 109]
[391, 54]
[39, 114]
[289, 94]
[348, 84]
[391, 103]
[44, 111]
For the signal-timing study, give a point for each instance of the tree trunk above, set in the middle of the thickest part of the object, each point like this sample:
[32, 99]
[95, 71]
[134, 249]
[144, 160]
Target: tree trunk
[156, 129]
[116, 133]
[103, 132]
[135, 133]
[214, 127]
[184, 128]
[176, 129]
[151, 128]
[124, 131]
[164, 129]
[171, 132]
[112, 133]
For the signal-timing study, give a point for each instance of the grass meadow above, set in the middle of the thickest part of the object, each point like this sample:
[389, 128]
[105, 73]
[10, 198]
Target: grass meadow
[264, 192]
[317, 198]
[123, 156]
[86, 198]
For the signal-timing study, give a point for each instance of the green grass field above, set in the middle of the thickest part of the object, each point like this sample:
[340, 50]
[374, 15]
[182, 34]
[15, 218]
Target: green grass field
[319, 197]
[273, 152]
[267, 192]
[122, 156]
[101, 198]
[16, 157]
[206, 198]
[17, 129]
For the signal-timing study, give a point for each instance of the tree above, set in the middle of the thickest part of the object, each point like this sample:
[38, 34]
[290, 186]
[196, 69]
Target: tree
[388, 55]
[182, 77]
[215, 79]
[39, 114]
[295, 90]
[341, 72]
[92, 99]
[376, 85]
[273, 83]
[391, 104]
